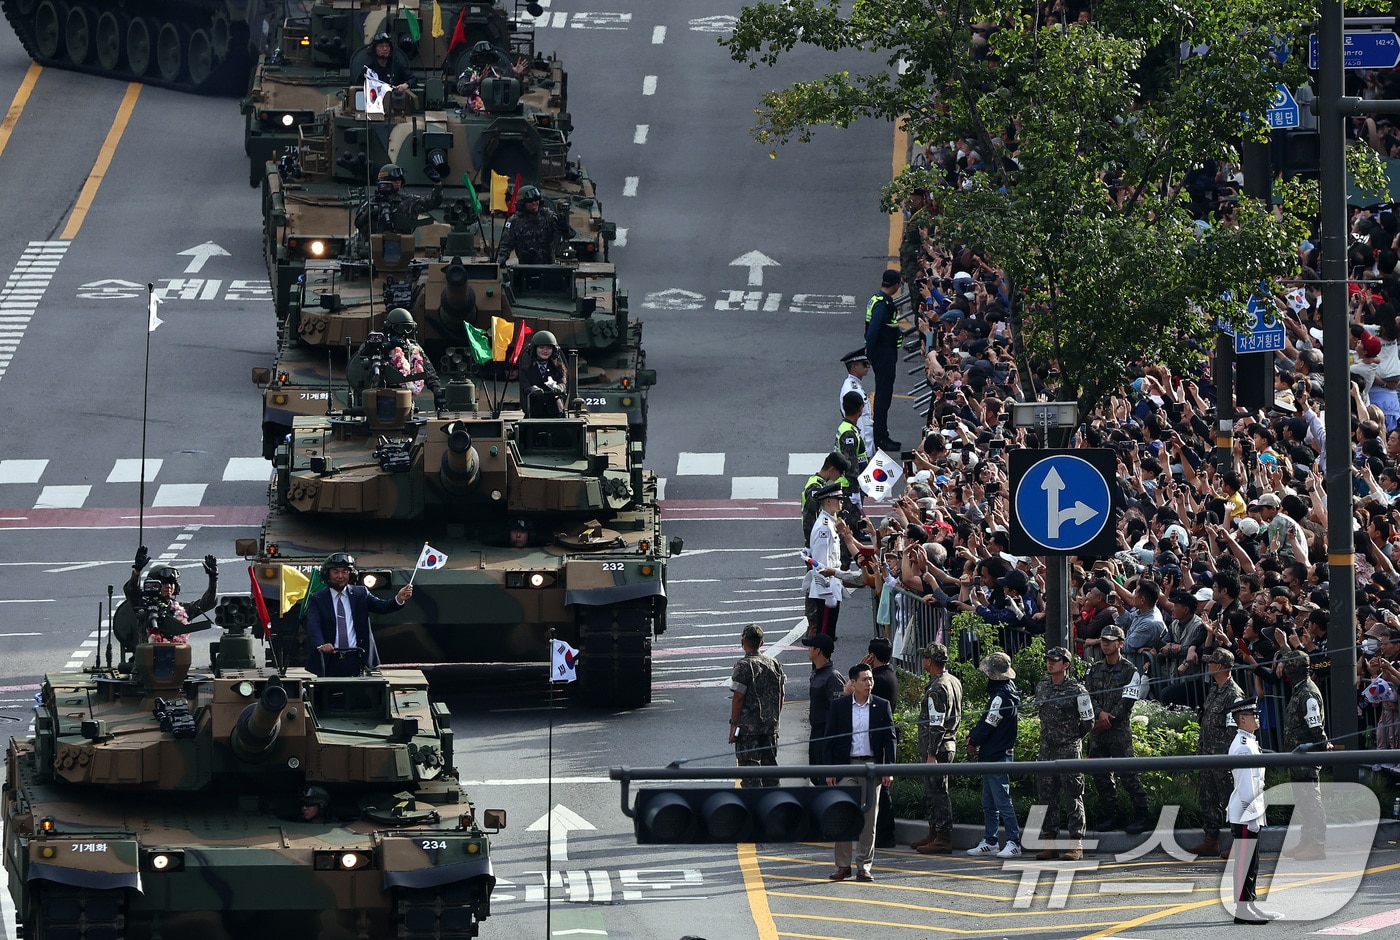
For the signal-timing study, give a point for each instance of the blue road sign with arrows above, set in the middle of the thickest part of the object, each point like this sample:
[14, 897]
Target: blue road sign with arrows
[1363, 49]
[1061, 502]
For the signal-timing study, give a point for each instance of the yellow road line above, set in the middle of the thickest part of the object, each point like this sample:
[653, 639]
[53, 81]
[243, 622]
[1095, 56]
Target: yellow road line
[104, 160]
[7, 126]
[901, 157]
[1000, 929]
[954, 893]
[855, 899]
[758, 894]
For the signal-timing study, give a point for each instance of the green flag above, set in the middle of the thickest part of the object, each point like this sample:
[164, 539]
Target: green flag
[471, 191]
[414, 29]
[480, 343]
[315, 585]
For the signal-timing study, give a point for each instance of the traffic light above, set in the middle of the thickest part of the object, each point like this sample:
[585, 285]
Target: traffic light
[754, 814]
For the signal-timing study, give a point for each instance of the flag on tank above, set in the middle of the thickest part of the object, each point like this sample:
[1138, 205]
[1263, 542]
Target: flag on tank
[260, 605]
[430, 557]
[294, 585]
[563, 662]
[374, 92]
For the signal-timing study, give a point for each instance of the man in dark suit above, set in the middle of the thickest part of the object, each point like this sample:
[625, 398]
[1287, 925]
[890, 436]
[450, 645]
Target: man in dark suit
[339, 641]
[860, 729]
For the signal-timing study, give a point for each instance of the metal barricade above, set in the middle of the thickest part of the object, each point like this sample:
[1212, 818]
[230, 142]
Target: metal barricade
[914, 625]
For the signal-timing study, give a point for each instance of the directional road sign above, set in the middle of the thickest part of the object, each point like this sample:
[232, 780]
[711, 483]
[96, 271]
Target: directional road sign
[1283, 109]
[1061, 502]
[1363, 49]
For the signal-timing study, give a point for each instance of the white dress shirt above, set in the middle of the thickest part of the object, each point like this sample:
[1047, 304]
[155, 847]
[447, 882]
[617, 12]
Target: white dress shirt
[860, 728]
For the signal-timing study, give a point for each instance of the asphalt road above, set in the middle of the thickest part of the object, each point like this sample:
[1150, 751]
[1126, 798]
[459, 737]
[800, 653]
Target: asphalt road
[746, 354]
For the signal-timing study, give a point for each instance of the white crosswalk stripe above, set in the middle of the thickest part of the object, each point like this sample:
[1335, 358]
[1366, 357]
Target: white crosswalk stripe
[128, 470]
[63, 497]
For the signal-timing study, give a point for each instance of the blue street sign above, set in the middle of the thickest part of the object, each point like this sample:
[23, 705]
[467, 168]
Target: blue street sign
[1283, 109]
[1263, 329]
[1061, 501]
[1363, 49]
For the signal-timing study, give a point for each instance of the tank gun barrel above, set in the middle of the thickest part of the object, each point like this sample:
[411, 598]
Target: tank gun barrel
[256, 730]
[461, 467]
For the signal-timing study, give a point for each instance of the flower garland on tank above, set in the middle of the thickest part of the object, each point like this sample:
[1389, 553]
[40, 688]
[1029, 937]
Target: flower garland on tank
[177, 610]
[411, 365]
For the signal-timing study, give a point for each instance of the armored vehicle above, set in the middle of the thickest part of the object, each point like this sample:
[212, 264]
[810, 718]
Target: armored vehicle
[548, 524]
[151, 801]
[204, 46]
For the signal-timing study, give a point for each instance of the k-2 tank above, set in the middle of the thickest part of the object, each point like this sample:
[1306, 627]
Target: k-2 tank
[550, 525]
[154, 802]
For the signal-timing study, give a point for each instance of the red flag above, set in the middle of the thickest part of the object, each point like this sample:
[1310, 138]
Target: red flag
[515, 191]
[264, 618]
[459, 33]
[517, 345]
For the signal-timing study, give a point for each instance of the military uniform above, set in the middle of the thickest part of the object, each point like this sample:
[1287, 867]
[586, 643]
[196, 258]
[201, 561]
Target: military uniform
[865, 422]
[397, 214]
[1114, 689]
[911, 244]
[1217, 731]
[760, 680]
[940, 714]
[1063, 724]
[1305, 723]
[532, 235]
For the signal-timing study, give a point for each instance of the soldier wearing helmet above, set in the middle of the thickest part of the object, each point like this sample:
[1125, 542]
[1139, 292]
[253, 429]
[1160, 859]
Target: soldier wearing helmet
[403, 364]
[166, 604]
[314, 801]
[533, 231]
[542, 388]
[390, 209]
[381, 58]
[338, 637]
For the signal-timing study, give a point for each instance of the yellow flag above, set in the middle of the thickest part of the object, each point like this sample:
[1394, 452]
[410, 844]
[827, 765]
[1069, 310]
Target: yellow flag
[499, 183]
[502, 332]
[294, 585]
[438, 31]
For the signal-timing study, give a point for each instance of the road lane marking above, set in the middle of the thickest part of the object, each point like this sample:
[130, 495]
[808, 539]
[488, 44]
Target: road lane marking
[1355, 928]
[19, 298]
[658, 35]
[22, 471]
[649, 85]
[758, 895]
[900, 161]
[21, 98]
[104, 161]
[629, 186]
[621, 240]
[639, 136]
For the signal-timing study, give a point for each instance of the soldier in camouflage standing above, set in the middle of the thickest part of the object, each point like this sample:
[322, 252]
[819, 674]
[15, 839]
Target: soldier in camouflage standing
[1114, 689]
[1305, 723]
[757, 683]
[940, 713]
[1218, 730]
[392, 211]
[1066, 714]
[911, 245]
[532, 232]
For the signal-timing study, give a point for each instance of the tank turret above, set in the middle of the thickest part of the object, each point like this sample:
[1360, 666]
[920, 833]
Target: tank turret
[255, 732]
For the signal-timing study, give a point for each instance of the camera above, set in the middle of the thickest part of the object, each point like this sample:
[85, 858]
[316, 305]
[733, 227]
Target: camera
[150, 589]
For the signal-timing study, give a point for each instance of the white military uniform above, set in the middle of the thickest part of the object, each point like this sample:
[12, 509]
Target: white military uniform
[825, 548]
[1246, 806]
[866, 422]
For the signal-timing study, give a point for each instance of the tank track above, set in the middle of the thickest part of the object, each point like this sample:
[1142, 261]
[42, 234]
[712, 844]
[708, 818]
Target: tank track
[60, 912]
[614, 668]
[186, 45]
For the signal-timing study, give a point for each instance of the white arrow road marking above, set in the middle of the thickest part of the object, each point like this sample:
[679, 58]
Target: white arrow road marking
[560, 821]
[755, 261]
[199, 254]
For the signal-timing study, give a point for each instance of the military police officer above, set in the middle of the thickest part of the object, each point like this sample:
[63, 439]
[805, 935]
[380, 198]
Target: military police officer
[833, 470]
[882, 347]
[1114, 688]
[1066, 714]
[533, 231]
[857, 365]
[389, 210]
[757, 683]
[940, 714]
[1218, 729]
[1305, 723]
[823, 585]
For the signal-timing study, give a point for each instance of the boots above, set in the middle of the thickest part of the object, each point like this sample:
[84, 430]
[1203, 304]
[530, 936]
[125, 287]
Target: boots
[925, 840]
[940, 843]
[1108, 824]
[1074, 854]
[1209, 845]
[1141, 824]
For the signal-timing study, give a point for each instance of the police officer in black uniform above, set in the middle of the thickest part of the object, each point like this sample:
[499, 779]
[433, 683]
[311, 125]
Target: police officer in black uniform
[882, 347]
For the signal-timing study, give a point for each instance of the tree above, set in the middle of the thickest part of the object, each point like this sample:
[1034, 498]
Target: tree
[1088, 132]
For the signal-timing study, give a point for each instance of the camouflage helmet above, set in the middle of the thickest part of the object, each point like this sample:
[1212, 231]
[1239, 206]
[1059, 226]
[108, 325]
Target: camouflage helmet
[399, 322]
[531, 193]
[165, 574]
[338, 560]
[381, 36]
[391, 171]
[482, 51]
[543, 338]
[315, 796]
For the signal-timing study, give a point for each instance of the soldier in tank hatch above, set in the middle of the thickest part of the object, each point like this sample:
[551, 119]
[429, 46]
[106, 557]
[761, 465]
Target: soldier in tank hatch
[169, 578]
[339, 641]
[389, 209]
[533, 231]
